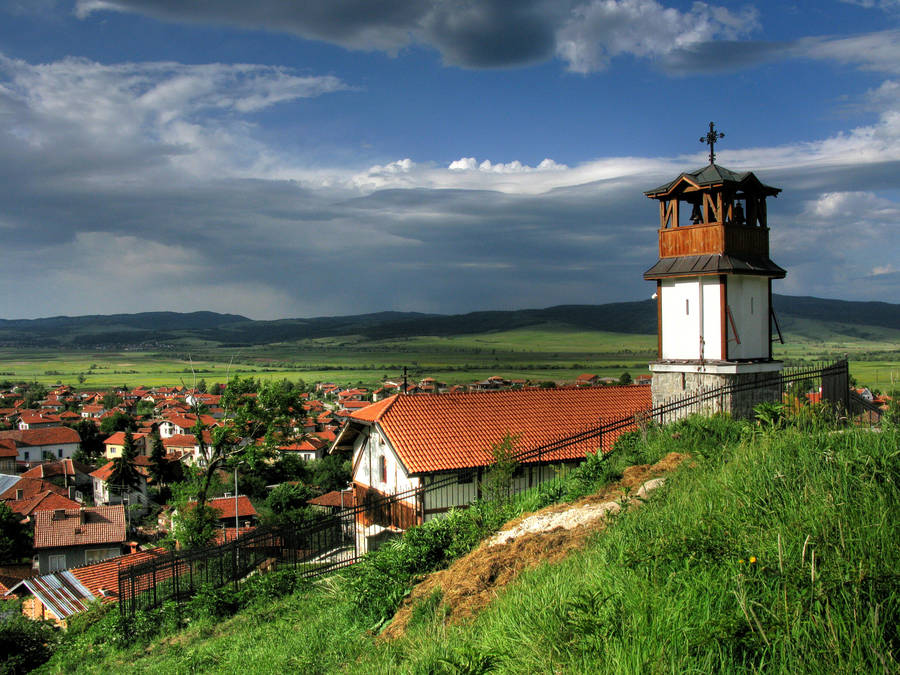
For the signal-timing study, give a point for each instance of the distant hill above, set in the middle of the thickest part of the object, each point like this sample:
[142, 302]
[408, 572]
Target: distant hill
[806, 316]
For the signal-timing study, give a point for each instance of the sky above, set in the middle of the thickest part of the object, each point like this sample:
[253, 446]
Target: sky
[293, 159]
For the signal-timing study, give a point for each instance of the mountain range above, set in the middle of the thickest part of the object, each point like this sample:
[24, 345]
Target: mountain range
[806, 316]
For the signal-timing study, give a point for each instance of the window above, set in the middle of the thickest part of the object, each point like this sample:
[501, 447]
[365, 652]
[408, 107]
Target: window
[751, 304]
[57, 562]
[97, 554]
[687, 306]
[382, 465]
[465, 477]
[26, 455]
[60, 453]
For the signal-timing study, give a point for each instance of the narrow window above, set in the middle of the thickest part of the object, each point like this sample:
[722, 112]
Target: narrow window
[687, 306]
[383, 466]
[751, 304]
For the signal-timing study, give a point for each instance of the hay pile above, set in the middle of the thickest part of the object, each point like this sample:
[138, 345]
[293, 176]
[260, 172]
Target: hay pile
[545, 536]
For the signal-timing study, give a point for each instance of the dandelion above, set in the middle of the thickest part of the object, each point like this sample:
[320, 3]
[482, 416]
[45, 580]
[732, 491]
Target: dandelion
[752, 559]
[741, 561]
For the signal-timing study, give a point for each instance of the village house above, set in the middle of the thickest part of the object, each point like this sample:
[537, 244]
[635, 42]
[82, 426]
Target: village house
[107, 492]
[37, 445]
[308, 449]
[114, 445]
[8, 454]
[59, 595]
[67, 538]
[38, 420]
[65, 473]
[404, 442]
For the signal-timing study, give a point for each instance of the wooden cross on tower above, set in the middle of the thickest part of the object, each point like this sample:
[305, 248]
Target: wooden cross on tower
[710, 139]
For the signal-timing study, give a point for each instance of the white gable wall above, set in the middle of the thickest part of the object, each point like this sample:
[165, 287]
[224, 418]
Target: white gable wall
[748, 299]
[367, 451]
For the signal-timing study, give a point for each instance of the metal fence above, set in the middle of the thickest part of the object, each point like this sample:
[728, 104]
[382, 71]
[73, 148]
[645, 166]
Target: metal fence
[342, 537]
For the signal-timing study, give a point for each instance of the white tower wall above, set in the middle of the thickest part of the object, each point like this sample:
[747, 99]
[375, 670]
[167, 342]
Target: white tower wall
[748, 299]
[685, 319]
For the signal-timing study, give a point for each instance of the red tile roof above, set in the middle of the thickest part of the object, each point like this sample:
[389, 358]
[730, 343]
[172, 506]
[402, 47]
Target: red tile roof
[44, 501]
[31, 487]
[105, 575]
[105, 471]
[334, 498]
[75, 527]
[451, 431]
[118, 438]
[46, 436]
[8, 448]
[62, 467]
[225, 507]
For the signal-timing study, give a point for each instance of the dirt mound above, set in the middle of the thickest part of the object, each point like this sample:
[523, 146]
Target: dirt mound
[471, 582]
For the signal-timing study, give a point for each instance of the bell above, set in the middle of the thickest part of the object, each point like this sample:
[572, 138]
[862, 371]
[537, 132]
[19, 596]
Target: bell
[696, 216]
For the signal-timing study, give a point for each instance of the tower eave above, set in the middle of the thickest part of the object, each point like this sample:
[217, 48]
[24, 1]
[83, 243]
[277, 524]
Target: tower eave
[698, 265]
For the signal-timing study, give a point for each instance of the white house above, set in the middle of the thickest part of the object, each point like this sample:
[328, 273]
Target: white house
[37, 445]
[404, 442]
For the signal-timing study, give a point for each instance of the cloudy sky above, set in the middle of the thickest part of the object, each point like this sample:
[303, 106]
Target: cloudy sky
[284, 159]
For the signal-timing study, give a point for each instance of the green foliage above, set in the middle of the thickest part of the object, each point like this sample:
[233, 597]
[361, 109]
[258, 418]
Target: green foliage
[332, 472]
[625, 378]
[288, 504]
[118, 421]
[91, 446]
[497, 480]
[25, 644]
[15, 538]
[196, 526]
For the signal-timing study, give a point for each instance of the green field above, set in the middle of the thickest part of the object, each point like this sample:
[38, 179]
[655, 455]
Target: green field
[551, 352]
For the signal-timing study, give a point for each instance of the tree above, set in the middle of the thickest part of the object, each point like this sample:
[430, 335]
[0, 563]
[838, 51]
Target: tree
[201, 386]
[256, 419]
[288, 504]
[118, 421]
[91, 446]
[124, 472]
[15, 539]
[158, 463]
[330, 473]
[497, 482]
[625, 378]
[111, 400]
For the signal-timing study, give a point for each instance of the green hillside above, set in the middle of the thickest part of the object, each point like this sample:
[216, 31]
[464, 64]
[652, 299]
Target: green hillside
[773, 549]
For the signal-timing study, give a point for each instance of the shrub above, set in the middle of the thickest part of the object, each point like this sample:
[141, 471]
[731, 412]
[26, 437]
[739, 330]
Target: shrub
[25, 644]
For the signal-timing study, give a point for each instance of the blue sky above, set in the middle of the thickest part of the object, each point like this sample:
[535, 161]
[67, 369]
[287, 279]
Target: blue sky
[280, 159]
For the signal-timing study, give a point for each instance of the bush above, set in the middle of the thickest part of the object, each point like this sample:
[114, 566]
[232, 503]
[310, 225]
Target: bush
[25, 644]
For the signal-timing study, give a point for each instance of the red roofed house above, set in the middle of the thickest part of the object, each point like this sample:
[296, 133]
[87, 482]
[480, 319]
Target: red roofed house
[106, 493]
[59, 595]
[34, 445]
[38, 420]
[64, 472]
[308, 449]
[8, 454]
[114, 444]
[67, 538]
[44, 501]
[404, 442]
[246, 514]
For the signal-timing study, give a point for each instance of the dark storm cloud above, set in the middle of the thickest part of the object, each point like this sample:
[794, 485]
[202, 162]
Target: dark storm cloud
[467, 33]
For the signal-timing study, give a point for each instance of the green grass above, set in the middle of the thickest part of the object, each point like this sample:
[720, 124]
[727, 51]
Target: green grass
[666, 588]
[550, 352]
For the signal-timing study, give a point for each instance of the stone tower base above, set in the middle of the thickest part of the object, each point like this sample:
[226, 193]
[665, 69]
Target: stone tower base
[753, 383]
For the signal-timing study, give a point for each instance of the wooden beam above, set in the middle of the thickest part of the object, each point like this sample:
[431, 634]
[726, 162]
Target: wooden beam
[723, 303]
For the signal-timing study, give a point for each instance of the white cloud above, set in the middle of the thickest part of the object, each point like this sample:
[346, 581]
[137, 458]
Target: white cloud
[600, 30]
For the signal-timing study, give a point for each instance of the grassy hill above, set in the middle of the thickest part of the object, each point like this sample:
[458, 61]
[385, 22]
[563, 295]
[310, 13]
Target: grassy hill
[772, 549]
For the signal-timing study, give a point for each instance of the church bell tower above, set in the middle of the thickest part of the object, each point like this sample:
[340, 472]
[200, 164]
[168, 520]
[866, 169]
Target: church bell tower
[714, 284]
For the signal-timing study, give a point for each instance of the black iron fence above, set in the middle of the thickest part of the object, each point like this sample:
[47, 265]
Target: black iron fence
[340, 538]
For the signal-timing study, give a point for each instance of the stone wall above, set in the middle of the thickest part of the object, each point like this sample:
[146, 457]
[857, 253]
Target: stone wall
[761, 387]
